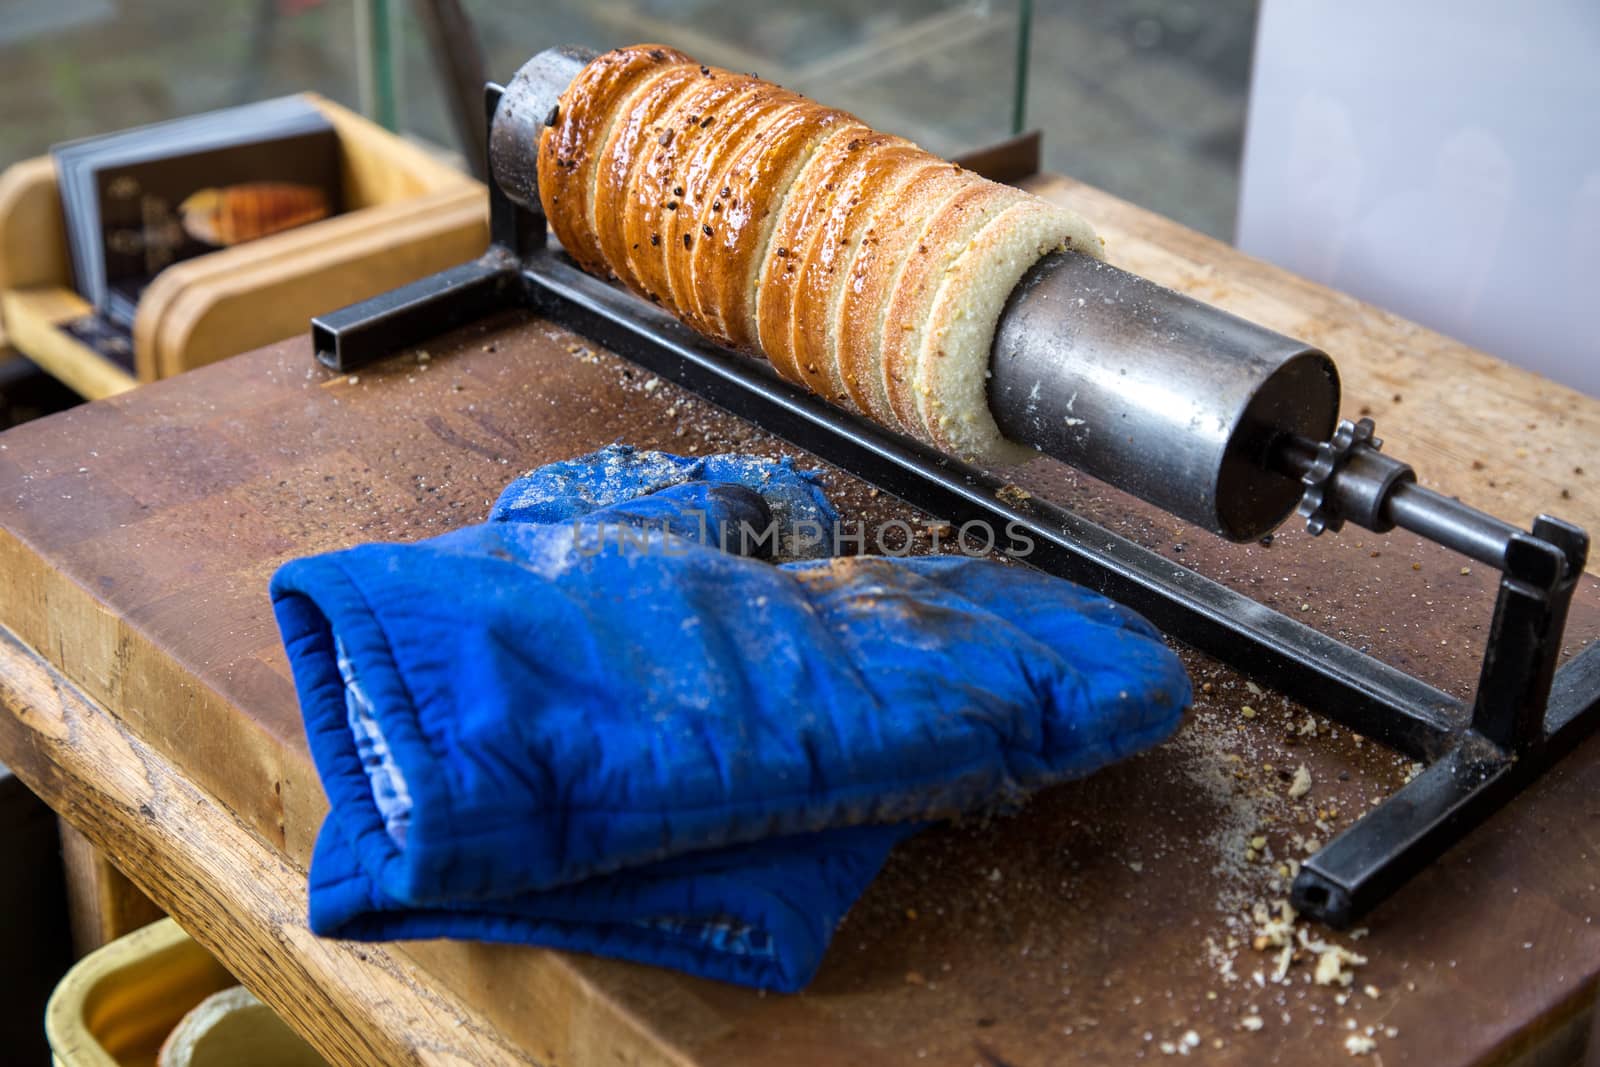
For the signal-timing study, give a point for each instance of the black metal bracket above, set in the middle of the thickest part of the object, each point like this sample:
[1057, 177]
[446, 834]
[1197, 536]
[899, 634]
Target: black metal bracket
[1526, 714]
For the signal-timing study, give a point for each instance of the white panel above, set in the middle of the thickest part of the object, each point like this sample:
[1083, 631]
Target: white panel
[1440, 159]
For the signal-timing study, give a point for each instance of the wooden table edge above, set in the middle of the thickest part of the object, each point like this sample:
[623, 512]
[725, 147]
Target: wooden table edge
[359, 1004]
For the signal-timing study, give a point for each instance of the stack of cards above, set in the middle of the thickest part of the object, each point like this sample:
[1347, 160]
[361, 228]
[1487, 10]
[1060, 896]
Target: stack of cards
[140, 200]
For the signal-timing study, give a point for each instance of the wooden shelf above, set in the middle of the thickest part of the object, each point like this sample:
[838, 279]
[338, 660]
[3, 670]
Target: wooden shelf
[33, 317]
[408, 215]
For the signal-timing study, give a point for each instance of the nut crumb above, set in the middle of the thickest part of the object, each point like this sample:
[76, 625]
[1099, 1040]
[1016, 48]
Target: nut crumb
[1332, 961]
[1301, 785]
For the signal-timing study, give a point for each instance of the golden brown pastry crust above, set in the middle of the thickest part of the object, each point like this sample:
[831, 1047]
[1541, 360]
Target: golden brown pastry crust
[780, 274]
[659, 186]
[626, 217]
[711, 194]
[568, 150]
[846, 213]
[727, 268]
[940, 242]
[696, 117]
[873, 277]
[646, 216]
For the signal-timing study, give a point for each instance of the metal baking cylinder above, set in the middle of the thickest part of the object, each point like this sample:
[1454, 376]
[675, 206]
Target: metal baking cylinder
[1167, 398]
[1170, 399]
[527, 104]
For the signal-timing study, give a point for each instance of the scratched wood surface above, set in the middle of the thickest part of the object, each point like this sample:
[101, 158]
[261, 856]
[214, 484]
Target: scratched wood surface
[1107, 919]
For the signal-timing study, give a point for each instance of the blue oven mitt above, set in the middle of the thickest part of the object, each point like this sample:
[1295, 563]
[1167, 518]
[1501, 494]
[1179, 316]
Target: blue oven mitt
[586, 725]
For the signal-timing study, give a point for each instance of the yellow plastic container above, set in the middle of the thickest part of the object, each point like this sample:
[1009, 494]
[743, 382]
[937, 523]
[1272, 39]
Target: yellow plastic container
[117, 1005]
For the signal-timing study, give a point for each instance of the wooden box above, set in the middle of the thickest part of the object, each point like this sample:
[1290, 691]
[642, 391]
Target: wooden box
[407, 215]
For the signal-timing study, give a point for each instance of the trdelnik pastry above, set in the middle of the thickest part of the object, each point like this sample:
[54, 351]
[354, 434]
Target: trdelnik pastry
[867, 269]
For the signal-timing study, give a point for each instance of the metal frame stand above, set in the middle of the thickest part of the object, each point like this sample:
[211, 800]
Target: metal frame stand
[1526, 713]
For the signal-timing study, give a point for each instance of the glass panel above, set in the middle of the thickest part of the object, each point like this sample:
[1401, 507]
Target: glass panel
[941, 72]
[70, 68]
[1144, 98]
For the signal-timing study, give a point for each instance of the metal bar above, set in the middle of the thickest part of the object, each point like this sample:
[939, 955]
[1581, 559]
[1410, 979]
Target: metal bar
[1451, 523]
[1519, 660]
[518, 230]
[1364, 693]
[362, 333]
[458, 62]
[1574, 701]
[1527, 715]
[381, 38]
[1019, 92]
[1394, 841]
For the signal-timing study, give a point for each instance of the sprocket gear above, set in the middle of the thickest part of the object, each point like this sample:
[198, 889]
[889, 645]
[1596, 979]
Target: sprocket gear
[1332, 455]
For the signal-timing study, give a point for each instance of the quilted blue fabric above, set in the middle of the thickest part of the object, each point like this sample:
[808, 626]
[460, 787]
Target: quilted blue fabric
[585, 725]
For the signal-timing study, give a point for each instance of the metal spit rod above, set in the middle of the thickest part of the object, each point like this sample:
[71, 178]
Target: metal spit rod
[1208, 416]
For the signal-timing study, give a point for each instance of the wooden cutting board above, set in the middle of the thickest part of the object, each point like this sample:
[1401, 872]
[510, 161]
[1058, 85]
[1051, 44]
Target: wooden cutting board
[1107, 920]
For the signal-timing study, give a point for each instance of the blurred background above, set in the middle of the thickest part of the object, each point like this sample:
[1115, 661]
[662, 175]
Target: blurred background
[1145, 98]
[1440, 159]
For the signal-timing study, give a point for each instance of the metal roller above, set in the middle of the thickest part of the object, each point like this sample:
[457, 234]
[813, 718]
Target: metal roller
[1167, 398]
[526, 106]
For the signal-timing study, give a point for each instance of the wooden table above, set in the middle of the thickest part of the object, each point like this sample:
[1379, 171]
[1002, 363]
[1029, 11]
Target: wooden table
[145, 697]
